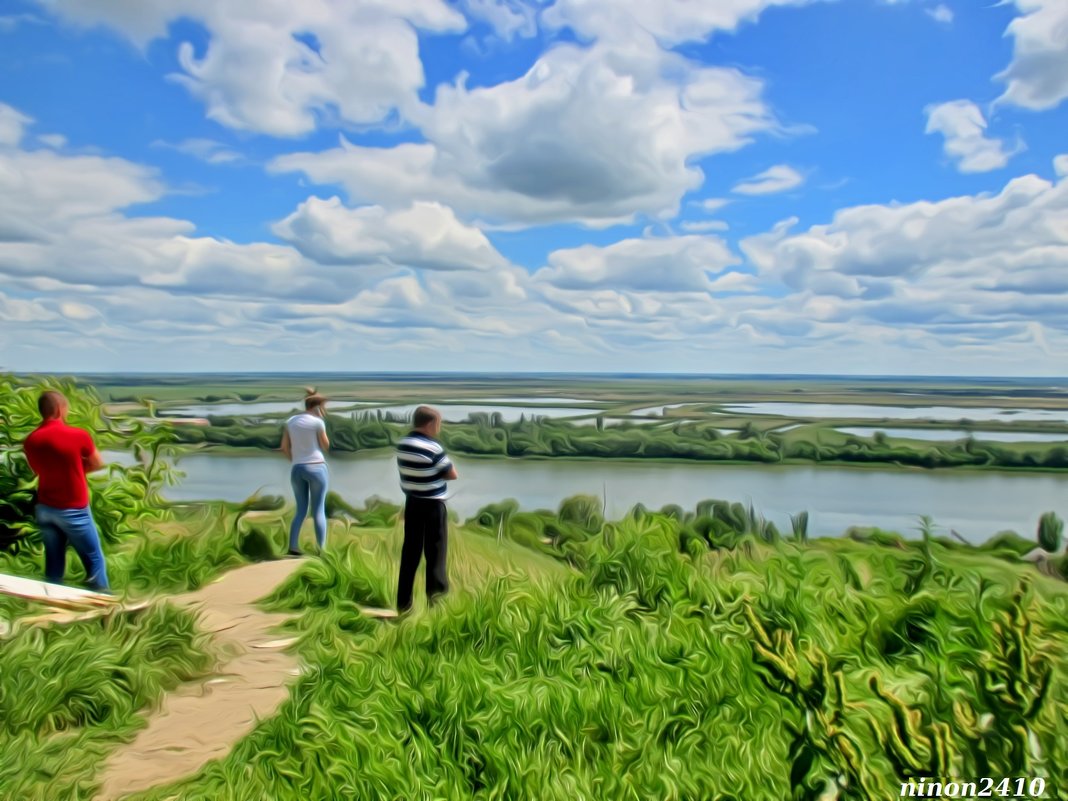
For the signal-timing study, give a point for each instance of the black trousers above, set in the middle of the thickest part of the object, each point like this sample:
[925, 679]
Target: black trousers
[426, 530]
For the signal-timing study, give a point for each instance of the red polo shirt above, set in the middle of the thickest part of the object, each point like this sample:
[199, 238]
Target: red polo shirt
[57, 454]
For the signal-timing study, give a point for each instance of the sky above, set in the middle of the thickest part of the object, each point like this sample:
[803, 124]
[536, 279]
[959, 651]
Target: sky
[738, 186]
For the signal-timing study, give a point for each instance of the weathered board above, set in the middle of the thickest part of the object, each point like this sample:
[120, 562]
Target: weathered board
[53, 594]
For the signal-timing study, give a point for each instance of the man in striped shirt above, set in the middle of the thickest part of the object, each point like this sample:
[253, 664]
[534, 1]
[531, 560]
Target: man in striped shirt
[424, 468]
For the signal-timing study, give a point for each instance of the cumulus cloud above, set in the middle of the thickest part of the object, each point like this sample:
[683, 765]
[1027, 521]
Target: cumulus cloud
[671, 22]
[1037, 77]
[673, 264]
[273, 66]
[424, 235]
[985, 263]
[963, 126]
[779, 178]
[508, 18]
[595, 135]
[12, 125]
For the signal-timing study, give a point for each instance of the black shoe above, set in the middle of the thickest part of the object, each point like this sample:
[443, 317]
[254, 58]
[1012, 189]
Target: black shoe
[295, 554]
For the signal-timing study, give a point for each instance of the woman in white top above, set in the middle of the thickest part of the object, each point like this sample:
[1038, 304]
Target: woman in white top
[303, 441]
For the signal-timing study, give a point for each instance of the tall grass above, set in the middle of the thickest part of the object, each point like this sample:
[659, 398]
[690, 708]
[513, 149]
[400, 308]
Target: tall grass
[763, 671]
[70, 695]
[675, 654]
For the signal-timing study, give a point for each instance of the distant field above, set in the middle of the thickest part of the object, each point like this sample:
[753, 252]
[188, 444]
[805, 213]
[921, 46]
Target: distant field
[646, 390]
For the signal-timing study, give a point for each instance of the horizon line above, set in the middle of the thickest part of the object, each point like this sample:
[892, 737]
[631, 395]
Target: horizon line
[531, 374]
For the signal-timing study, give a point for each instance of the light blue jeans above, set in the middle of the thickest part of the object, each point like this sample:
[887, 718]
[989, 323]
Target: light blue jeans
[310, 482]
[75, 527]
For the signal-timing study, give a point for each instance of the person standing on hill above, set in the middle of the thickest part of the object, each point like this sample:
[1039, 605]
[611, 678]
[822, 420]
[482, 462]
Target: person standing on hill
[303, 442]
[424, 468]
[61, 455]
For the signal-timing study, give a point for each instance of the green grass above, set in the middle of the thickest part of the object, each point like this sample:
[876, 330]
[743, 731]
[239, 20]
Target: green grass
[70, 695]
[661, 669]
[668, 655]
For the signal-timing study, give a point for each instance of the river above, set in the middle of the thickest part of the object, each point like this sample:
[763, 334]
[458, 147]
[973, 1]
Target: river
[975, 504]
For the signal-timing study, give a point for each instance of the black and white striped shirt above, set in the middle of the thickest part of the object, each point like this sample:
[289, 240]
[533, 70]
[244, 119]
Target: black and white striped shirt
[423, 465]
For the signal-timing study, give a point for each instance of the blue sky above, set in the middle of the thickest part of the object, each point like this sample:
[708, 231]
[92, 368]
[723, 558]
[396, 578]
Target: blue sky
[857, 186]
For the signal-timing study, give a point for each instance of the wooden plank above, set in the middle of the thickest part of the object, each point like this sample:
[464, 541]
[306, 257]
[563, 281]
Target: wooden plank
[371, 611]
[52, 594]
[63, 618]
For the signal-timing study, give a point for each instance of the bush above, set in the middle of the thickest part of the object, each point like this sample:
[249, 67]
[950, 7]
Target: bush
[1050, 532]
[128, 493]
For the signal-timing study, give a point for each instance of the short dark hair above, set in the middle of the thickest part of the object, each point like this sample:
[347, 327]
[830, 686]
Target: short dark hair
[50, 403]
[424, 415]
[312, 399]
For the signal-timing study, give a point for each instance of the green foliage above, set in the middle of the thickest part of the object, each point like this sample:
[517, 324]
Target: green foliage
[341, 573]
[69, 694]
[125, 495]
[255, 545]
[338, 507]
[1008, 543]
[489, 435]
[768, 671]
[1050, 532]
[584, 511]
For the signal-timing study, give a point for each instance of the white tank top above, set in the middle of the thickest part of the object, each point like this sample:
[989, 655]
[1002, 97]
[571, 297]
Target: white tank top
[304, 431]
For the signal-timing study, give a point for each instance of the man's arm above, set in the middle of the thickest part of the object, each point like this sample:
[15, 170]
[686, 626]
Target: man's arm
[286, 447]
[93, 462]
[324, 441]
[91, 458]
[449, 468]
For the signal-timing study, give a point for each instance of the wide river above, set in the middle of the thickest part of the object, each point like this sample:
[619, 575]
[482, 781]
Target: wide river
[975, 504]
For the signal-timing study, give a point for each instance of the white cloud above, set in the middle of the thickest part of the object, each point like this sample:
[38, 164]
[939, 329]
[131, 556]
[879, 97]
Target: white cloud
[671, 22]
[700, 226]
[13, 124]
[508, 18]
[207, 150]
[54, 141]
[674, 264]
[273, 66]
[595, 135]
[1060, 165]
[41, 186]
[713, 204]
[964, 128]
[779, 178]
[1037, 77]
[424, 235]
[967, 268]
[940, 13]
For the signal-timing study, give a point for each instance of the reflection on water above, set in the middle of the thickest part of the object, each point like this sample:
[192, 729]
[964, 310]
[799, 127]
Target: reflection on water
[942, 434]
[847, 410]
[250, 409]
[976, 504]
[658, 410]
[456, 413]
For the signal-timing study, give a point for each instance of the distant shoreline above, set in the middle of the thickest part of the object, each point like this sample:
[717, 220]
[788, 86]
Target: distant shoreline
[456, 375]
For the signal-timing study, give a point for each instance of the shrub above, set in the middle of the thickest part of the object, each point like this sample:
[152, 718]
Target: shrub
[1050, 532]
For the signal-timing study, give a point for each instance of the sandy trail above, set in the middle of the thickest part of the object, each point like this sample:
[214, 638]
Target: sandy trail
[201, 722]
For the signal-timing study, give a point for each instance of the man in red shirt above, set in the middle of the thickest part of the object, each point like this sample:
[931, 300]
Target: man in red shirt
[61, 455]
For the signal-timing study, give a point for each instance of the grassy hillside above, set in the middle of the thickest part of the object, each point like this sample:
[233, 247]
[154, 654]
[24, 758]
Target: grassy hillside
[619, 660]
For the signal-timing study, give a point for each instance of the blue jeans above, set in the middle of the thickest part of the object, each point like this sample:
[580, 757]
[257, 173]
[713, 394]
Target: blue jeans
[75, 527]
[309, 484]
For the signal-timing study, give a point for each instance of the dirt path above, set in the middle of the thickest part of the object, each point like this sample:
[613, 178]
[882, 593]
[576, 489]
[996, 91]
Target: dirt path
[198, 723]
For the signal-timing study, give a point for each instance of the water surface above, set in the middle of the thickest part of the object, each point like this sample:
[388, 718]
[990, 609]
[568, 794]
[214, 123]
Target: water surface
[976, 504]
